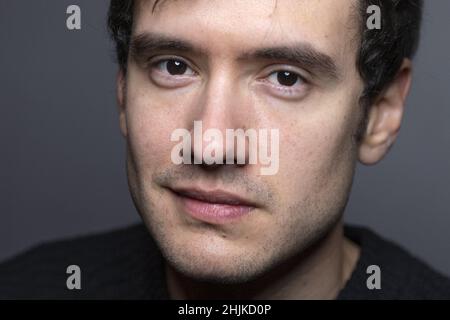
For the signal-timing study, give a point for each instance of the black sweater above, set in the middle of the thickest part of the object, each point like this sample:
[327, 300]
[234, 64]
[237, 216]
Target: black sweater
[126, 264]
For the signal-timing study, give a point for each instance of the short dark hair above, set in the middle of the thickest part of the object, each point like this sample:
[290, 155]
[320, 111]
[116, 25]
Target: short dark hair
[381, 51]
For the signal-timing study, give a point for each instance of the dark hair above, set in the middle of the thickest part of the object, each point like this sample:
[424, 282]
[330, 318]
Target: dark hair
[381, 50]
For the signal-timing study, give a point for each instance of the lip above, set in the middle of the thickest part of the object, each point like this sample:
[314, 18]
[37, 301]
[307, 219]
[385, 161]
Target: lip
[214, 206]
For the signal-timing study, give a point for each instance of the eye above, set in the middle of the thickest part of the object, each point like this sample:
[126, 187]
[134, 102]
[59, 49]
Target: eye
[286, 83]
[173, 67]
[285, 78]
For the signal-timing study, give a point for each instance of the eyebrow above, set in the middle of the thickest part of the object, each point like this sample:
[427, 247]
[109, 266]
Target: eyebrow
[301, 54]
[143, 45]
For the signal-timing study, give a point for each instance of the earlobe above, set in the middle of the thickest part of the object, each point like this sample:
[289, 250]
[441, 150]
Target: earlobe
[385, 118]
[120, 89]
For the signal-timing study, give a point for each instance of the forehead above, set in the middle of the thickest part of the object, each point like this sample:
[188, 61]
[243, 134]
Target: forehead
[227, 27]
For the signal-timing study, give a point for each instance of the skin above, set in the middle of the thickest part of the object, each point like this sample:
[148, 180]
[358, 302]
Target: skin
[292, 245]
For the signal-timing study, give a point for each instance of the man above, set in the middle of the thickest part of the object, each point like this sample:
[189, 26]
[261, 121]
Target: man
[331, 88]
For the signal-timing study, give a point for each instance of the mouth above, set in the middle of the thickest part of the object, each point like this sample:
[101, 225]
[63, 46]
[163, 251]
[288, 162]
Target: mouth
[214, 206]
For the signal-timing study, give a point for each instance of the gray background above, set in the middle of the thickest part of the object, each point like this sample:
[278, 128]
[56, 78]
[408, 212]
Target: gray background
[62, 169]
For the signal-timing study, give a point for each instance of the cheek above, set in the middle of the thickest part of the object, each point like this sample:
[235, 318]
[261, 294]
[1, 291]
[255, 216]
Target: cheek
[152, 116]
[148, 131]
[316, 156]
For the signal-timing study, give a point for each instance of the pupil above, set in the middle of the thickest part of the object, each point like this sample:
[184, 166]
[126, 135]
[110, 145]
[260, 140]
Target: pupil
[287, 78]
[176, 67]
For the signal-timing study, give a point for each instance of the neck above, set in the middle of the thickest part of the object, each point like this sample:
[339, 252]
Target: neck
[319, 273]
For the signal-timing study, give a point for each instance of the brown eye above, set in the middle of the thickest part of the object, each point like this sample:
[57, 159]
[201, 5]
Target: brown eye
[287, 78]
[173, 67]
[285, 83]
[176, 67]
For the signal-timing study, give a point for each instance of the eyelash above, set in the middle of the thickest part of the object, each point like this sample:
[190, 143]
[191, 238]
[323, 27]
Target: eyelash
[153, 65]
[284, 88]
[170, 59]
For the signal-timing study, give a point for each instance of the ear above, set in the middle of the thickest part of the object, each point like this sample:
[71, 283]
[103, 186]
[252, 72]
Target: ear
[385, 117]
[120, 88]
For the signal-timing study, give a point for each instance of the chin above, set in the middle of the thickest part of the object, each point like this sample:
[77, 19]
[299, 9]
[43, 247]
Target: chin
[213, 268]
[222, 275]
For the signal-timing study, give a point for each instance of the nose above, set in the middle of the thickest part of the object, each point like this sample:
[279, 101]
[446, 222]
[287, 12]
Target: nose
[219, 129]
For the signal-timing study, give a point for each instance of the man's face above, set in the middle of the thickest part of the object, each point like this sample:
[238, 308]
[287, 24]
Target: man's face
[233, 74]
